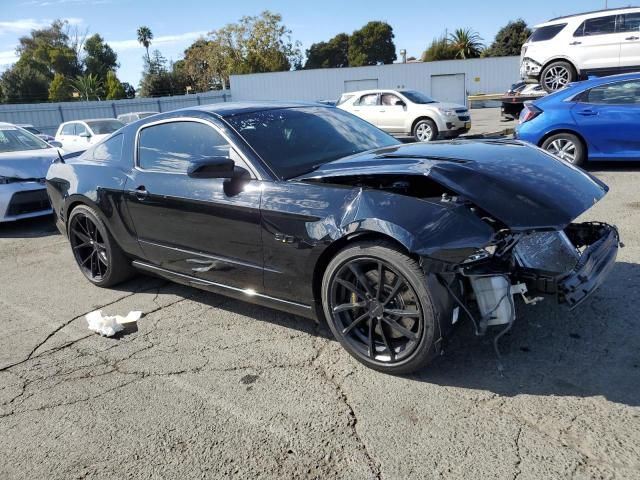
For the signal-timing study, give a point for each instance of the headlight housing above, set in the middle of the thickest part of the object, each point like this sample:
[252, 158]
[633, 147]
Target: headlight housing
[448, 112]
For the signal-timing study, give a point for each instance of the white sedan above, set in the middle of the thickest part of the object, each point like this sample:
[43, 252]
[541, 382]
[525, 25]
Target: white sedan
[24, 161]
[79, 135]
[408, 113]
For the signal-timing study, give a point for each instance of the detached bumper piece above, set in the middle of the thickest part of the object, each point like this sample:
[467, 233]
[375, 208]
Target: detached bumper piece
[596, 246]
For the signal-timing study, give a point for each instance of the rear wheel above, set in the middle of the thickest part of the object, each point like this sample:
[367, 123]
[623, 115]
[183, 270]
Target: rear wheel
[425, 131]
[99, 257]
[377, 304]
[567, 147]
[557, 75]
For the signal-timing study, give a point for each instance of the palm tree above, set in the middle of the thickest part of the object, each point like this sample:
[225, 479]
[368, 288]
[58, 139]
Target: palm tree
[145, 35]
[466, 43]
[88, 87]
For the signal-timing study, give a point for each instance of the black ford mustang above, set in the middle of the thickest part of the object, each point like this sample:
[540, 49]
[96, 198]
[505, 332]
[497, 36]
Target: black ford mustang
[311, 210]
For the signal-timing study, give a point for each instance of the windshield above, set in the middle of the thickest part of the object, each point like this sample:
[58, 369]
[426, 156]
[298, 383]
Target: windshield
[417, 97]
[16, 140]
[102, 127]
[546, 33]
[33, 130]
[294, 141]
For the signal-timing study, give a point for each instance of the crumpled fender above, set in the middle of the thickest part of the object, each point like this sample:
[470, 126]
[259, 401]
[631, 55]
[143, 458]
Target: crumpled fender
[444, 231]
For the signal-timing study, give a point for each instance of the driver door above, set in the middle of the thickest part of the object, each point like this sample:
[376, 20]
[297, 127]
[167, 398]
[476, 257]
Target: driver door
[392, 113]
[194, 226]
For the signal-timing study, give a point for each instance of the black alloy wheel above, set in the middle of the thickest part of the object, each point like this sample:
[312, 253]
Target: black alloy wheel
[377, 306]
[98, 256]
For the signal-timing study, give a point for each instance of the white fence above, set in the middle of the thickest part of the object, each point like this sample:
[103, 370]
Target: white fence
[450, 80]
[47, 116]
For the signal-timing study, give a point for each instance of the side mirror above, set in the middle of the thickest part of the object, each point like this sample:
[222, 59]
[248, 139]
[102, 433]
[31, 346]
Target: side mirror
[399, 103]
[85, 134]
[55, 143]
[216, 167]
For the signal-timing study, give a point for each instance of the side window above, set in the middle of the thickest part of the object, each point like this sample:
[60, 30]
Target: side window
[80, 128]
[368, 100]
[172, 147]
[389, 99]
[109, 151]
[597, 26]
[623, 93]
[68, 129]
[629, 22]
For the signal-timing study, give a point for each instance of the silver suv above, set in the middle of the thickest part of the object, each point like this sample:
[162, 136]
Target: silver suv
[408, 113]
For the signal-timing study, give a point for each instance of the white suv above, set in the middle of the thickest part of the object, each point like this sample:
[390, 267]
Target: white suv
[78, 135]
[407, 112]
[566, 49]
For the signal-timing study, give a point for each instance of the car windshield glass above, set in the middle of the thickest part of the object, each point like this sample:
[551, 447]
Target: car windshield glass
[102, 127]
[417, 97]
[294, 141]
[16, 140]
[546, 33]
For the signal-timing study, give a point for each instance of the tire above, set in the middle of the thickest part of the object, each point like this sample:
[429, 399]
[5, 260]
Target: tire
[567, 147]
[425, 131]
[557, 75]
[99, 257]
[399, 321]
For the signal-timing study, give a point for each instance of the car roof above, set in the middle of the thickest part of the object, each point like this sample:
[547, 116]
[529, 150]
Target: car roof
[88, 120]
[593, 13]
[229, 109]
[7, 124]
[375, 90]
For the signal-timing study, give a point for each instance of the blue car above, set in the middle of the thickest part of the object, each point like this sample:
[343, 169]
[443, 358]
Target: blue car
[598, 119]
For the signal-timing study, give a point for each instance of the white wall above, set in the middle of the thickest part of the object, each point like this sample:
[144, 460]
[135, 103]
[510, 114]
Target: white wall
[482, 75]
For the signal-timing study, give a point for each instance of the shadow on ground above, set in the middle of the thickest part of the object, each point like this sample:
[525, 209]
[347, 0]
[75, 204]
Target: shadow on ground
[29, 228]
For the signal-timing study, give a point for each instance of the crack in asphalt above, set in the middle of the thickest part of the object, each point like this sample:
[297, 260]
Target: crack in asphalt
[374, 464]
[518, 470]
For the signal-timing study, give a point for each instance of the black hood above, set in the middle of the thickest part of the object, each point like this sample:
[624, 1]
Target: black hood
[520, 185]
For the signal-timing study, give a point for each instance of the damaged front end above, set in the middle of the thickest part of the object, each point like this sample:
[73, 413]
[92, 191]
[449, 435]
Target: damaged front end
[568, 264]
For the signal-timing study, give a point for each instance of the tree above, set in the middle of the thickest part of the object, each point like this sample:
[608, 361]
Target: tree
[372, 45]
[60, 90]
[440, 49]
[203, 65]
[113, 86]
[145, 35]
[331, 54]
[129, 91]
[509, 39]
[466, 43]
[100, 58]
[89, 87]
[160, 79]
[24, 83]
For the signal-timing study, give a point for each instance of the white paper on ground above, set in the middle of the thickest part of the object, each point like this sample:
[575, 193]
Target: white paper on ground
[109, 325]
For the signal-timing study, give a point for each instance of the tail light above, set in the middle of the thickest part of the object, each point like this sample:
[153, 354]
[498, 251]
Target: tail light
[529, 112]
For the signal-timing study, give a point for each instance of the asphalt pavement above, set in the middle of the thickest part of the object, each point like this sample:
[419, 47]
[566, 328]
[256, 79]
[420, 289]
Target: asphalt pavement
[209, 387]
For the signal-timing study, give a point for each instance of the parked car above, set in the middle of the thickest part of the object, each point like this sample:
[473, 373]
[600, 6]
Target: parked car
[24, 160]
[566, 49]
[78, 135]
[592, 120]
[314, 211]
[408, 113]
[514, 98]
[133, 116]
[31, 129]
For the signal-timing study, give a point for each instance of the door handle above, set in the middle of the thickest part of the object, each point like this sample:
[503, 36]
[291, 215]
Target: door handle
[576, 43]
[632, 38]
[587, 113]
[140, 193]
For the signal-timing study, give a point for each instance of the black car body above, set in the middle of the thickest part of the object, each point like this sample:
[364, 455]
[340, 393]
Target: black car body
[256, 212]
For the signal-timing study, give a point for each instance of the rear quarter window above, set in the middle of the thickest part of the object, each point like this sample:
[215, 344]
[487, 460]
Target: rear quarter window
[546, 33]
[109, 151]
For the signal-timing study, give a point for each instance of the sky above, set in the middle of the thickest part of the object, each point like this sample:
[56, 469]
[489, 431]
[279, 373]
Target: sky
[177, 23]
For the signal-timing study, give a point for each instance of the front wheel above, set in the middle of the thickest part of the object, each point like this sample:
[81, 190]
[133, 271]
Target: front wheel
[557, 75]
[567, 147]
[99, 257]
[425, 131]
[377, 304]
